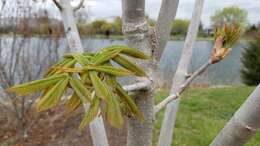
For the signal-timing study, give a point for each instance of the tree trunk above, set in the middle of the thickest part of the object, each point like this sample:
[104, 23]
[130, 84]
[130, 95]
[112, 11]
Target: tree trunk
[243, 125]
[166, 132]
[98, 132]
[135, 29]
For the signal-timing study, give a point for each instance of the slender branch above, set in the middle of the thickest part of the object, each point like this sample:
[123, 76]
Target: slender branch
[59, 6]
[143, 85]
[79, 5]
[182, 88]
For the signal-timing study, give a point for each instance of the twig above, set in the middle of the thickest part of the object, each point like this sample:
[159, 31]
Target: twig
[143, 85]
[174, 96]
[58, 5]
[79, 5]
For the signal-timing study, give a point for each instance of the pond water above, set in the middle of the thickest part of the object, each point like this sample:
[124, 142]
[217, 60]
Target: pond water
[225, 72]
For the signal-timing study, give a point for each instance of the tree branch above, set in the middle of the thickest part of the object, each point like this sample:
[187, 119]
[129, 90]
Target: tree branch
[59, 6]
[179, 79]
[79, 5]
[164, 24]
[143, 85]
[243, 125]
[182, 88]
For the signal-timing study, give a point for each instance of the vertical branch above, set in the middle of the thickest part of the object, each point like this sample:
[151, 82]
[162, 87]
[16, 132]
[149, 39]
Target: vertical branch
[164, 24]
[243, 125]
[98, 132]
[135, 29]
[166, 132]
[70, 27]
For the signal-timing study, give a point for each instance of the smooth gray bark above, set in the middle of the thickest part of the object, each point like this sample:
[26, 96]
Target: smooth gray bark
[136, 34]
[166, 132]
[98, 132]
[70, 28]
[164, 24]
[243, 125]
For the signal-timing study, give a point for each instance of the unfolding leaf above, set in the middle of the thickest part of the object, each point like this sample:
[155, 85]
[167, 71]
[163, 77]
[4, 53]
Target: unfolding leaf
[68, 70]
[113, 113]
[101, 89]
[129, 102]
[80, 90]
[105, 56]
[133, 52]
[67, 64]
[60, 63]
[129, 65]
[37, 85]
[52, 97]
[91, 114]
[81, 59]
[72, 104]
[110, 70]
[111, 82]
[85, 78]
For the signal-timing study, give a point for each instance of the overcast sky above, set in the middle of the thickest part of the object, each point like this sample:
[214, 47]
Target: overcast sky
[104, 9]
[110, 8]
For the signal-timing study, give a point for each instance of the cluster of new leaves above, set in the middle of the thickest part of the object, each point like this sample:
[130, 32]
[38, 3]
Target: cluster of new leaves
[225, 38]
[93, 83]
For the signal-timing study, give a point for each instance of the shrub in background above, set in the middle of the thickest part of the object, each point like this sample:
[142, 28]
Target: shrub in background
[250, 72]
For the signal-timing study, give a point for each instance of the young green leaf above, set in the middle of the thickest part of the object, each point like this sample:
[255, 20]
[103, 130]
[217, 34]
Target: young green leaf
[105, 56]
[68, 63]
[52, 97]
[72, 104]
[110, 70]
[100, 88]
[111, 82]
[114, 114]
[129, 65]
[37, 85]
[68, 70]
[81, 59]
[91, 114]
[129, 102]
[80, 90]
[133, 52]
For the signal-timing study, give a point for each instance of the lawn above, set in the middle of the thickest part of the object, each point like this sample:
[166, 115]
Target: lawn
[203, 113]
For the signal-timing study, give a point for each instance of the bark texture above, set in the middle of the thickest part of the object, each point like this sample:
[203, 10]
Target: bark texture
[243, 125]
[98, 132]
[166, 132]
[136, 34]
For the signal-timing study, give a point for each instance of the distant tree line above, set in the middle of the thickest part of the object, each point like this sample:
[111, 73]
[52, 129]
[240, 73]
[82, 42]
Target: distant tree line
[45, 26]
[101, 26]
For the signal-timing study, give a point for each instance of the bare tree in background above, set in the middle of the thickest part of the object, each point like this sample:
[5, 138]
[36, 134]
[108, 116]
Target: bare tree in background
[21, 62]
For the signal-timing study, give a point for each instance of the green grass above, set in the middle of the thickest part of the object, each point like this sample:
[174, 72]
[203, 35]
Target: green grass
[203, 113]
